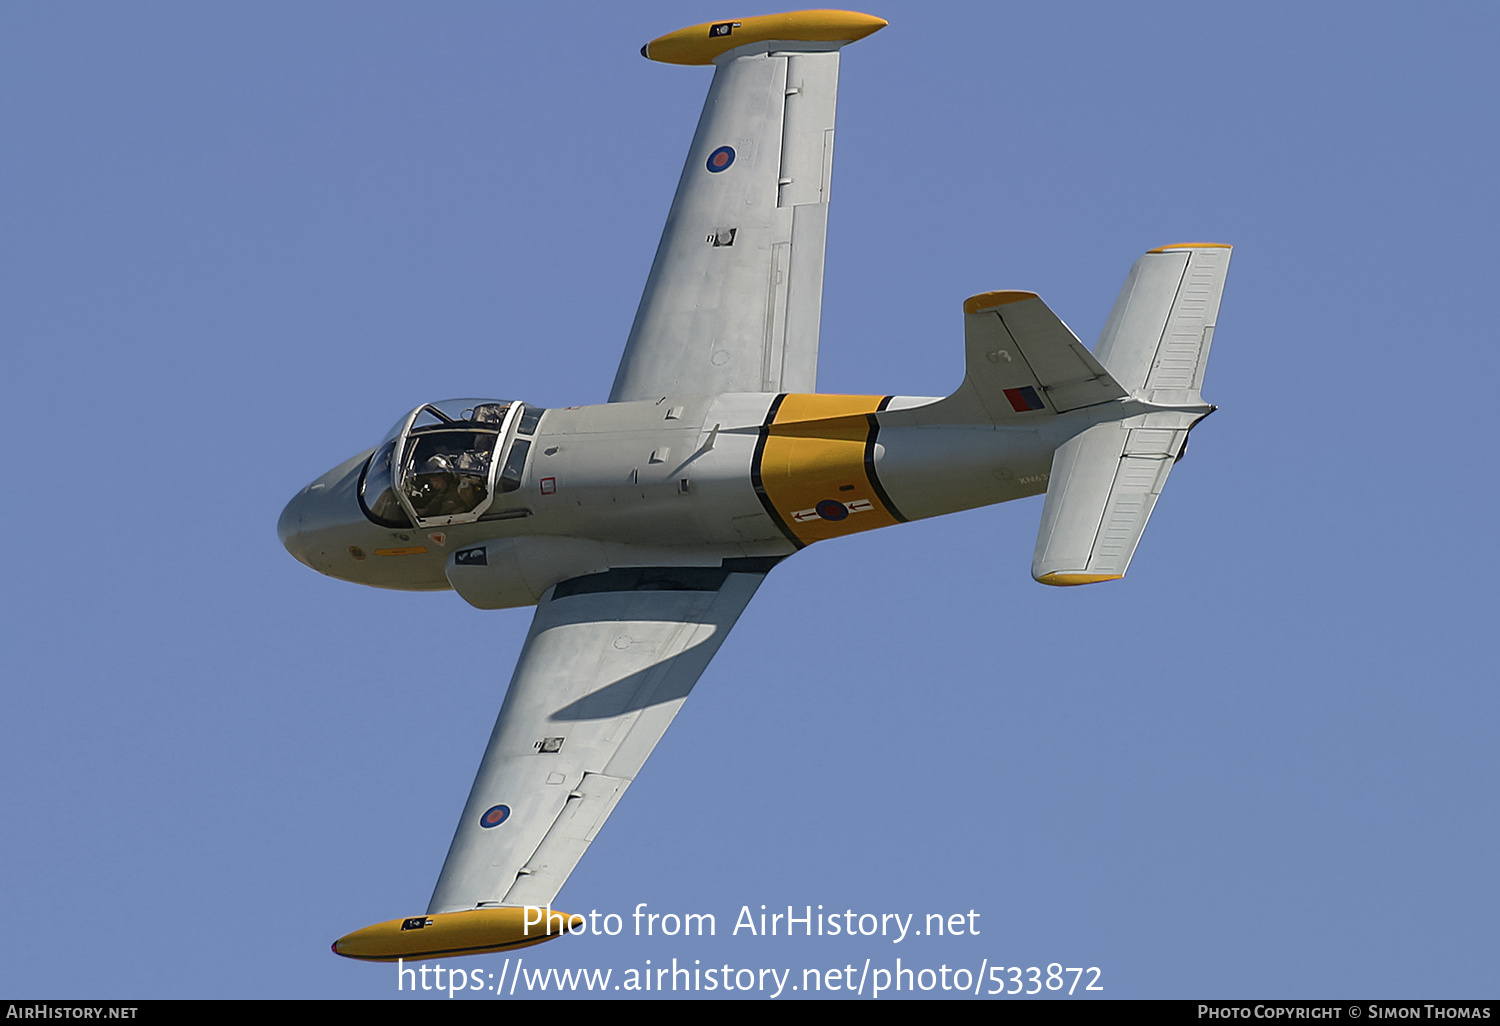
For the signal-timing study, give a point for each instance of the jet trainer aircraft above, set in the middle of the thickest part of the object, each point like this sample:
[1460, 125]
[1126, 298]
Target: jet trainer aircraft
[642, 527]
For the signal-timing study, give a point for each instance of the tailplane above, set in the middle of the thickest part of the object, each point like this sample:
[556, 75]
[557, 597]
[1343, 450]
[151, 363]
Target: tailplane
[1105, 481]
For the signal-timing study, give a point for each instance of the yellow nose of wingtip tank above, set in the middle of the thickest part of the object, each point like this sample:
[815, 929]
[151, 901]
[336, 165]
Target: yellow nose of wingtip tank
[702, 44]
[445, 934]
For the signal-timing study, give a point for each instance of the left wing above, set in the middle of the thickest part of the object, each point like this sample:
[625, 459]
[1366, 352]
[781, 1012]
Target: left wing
[609, 660]
[736, 290]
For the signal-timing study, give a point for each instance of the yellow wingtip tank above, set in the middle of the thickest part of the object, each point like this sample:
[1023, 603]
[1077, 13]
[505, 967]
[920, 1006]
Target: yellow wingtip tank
[445, 934]
[702, 44]
[1059, 580]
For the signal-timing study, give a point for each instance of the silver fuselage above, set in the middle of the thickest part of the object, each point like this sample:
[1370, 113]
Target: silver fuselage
[693, 481]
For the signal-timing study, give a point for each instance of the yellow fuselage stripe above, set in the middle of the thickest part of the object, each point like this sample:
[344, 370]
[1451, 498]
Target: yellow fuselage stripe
[814, 453]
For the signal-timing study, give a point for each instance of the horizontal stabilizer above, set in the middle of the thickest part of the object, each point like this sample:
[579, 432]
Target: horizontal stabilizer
[1105, 481]
[1103, 487]
[1156, 340]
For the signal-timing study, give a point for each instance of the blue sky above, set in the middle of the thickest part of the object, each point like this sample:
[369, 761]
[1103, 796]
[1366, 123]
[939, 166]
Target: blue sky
[240, 240]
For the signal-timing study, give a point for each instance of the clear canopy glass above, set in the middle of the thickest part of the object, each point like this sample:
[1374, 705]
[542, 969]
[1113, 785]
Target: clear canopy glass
[439, 465]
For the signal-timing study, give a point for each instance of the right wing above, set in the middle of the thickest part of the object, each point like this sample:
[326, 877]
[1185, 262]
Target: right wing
[609, 660]
[736, 290]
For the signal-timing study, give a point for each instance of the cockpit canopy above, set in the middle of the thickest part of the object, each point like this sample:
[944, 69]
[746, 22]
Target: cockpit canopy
[441, 464]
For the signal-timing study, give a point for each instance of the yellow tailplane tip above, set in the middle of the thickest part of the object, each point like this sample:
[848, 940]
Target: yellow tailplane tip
[990, 300]
[1192, 245]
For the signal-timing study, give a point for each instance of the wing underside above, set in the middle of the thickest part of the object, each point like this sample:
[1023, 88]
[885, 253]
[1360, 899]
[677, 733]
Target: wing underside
[736, 290]
[609, 660]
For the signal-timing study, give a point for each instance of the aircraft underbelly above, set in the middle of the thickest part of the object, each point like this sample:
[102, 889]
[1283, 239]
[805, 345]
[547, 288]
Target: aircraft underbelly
[756, 474]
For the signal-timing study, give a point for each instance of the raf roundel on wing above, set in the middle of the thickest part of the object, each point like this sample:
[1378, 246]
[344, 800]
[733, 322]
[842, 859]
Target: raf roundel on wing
[720, 159]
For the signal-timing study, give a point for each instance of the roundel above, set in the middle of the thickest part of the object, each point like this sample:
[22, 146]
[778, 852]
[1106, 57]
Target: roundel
[720, 159]
[832, 509]
[494, 816]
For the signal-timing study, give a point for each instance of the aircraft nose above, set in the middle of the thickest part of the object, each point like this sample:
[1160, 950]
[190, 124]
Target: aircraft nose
[315, 523]
[288, 523]
[289, 526]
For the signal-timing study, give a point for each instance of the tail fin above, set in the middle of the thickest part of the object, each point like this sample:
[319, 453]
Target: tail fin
[1105, 482]
[1022, 364]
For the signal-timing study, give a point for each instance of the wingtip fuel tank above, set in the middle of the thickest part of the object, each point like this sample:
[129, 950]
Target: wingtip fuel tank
[705, 43]
[475, 931]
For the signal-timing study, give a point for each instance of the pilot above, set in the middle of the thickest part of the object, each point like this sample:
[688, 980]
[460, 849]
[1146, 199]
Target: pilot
[438, 490]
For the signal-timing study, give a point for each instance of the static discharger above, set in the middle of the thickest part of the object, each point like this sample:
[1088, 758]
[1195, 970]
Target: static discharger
[470, 932]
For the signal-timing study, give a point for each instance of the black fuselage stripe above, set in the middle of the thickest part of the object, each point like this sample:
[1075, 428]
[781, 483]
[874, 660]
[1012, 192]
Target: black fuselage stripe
[880, 491]
[755, 481]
